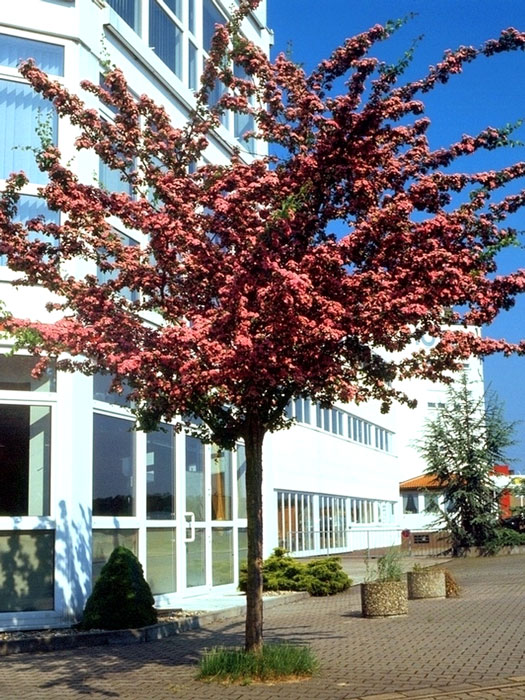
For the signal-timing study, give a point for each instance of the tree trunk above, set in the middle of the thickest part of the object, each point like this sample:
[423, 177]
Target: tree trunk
[253, 440]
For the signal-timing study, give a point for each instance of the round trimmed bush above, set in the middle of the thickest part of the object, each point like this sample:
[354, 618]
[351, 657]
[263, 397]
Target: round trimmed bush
[121, 597]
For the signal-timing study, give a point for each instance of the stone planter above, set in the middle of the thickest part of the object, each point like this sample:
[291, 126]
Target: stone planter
[384, 598]
[427, 583]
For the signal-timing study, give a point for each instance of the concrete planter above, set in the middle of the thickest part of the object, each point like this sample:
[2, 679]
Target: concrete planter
[427, 583]
[383, 598]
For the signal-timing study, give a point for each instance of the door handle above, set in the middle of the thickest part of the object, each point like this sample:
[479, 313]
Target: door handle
[190, 526]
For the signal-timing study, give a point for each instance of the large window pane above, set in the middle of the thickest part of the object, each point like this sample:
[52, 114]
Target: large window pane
[162, 561]
[30, 207]
[210, 17]
[165, 38]
[196, 560]
[27, 571]
[161, 474]
[241, 481]
[222, 555]
[221, 485]
[105, 541]
[195, 494]
[101, 390]
[128, 10]
[242, 547]
[21, 109]
[175, 6]
[15, 375]
[25, 446]
[48, 57]
[105, 276]
[191, 16]
[113, 466]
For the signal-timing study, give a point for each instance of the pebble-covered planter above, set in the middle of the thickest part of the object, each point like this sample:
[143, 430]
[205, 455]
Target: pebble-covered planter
[384, 598]
[428, 583]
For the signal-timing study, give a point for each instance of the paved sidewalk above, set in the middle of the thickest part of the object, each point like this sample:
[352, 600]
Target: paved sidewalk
[472, 647]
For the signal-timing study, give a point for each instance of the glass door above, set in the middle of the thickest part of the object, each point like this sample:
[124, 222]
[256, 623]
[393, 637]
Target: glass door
[196, 521]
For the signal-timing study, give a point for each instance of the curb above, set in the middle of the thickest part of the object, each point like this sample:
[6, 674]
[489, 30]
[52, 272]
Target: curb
[162, 630]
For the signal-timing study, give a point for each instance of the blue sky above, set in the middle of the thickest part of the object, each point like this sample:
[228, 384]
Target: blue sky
[489, 92]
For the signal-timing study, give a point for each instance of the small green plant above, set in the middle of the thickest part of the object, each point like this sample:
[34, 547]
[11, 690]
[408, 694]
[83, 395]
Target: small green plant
[121, 597]
[417, 567]
[274, 662]
[388, 567]
[281, 572]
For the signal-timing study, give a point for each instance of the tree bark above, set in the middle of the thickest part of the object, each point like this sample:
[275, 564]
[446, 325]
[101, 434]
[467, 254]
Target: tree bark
[253, 440]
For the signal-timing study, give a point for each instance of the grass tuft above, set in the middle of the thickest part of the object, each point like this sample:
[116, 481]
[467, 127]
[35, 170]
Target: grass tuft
[275, 662]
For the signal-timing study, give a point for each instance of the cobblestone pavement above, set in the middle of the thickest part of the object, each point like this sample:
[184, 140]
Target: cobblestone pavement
[472, 647]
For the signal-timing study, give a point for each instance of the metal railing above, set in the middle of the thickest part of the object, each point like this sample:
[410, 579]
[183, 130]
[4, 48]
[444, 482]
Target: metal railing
[360, 542]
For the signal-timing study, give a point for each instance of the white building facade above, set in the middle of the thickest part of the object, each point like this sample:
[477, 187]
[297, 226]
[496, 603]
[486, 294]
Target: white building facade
[76, 479]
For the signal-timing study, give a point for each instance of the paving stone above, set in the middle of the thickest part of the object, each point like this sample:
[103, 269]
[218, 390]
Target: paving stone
[470, 648]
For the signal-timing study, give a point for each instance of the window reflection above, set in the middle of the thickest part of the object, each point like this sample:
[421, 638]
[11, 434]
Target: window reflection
[195, 495]
[113, 466]
[25, 447]
[221, 485]
[160, 460]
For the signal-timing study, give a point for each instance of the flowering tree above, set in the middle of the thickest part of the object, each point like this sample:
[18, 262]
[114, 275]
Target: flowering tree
[243, 296]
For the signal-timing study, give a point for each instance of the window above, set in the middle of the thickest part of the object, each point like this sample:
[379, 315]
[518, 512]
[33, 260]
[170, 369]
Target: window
[128, 10]
[165, 37]
[192, 67]
[113, 466]
[243, 123]
[221, 485]
[112, 180]
[101, 390]
[210, 17]
[21, 109]
[302, 410]
[160, 461]
[191, 16]
[25, 459]
[195, 488]
[295, 521]
[222, 555]
[15, 375]
[30, 207]
[26, 570]
[241, 481]
[332, 521]
[410, 502]
[161, 563]
[431, 503]
[48, 57]
[105, 276]
[105, 541]
[196, 559]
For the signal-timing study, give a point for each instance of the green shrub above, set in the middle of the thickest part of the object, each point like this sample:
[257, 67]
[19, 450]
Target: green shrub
[283, 573]
[326, 577]
[275, 662]
[121, 597]
[504, 537]
[280, 573]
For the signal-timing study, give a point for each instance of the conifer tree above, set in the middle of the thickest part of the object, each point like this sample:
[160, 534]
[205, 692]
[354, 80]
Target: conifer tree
[461, 446]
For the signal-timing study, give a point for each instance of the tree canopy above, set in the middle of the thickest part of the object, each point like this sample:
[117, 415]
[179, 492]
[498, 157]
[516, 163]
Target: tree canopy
[244, 295]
